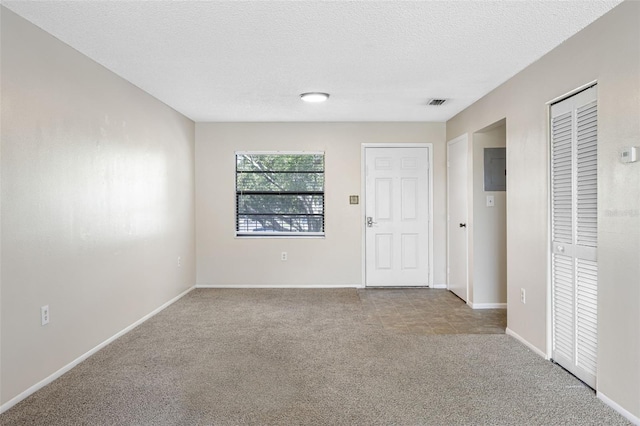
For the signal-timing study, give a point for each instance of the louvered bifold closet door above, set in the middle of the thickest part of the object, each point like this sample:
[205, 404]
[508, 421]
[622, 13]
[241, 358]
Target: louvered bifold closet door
[587, 237]
[574, 185]
[562, 131]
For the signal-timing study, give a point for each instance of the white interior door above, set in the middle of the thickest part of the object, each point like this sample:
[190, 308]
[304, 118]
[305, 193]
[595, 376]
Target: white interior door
[574, 215]
[457, 256]
[397, 199]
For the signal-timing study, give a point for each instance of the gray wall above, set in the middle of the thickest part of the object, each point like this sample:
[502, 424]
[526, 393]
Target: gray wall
[607, 51]
[335, 260]
[97, 204]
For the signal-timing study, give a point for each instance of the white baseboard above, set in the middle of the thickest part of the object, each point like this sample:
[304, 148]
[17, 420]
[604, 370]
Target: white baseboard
[439, 286]
[13, 401]
[526, 343]
[278, 286]
[488, 305]
[624, 413]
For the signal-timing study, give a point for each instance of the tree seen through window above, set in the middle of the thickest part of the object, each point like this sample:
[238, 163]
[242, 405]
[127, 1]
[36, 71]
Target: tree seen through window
[278, 193]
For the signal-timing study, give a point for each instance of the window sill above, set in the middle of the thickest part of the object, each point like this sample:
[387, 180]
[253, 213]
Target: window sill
[279, 237]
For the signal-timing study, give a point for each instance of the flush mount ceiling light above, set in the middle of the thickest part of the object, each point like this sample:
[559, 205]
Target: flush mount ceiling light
[314, 97]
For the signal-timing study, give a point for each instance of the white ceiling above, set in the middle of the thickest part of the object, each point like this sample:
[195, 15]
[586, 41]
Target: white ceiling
[249, 61]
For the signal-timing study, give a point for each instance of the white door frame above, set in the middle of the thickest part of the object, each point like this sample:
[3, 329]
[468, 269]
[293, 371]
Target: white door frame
[463, 137]
[549, 352]
[577, 251]
[363, 204]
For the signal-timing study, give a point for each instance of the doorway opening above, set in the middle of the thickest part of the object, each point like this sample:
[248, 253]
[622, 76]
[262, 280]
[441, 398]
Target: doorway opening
[489, 230]
[477, 216]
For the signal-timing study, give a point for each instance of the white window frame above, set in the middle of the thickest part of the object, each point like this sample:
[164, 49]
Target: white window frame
[272, 234]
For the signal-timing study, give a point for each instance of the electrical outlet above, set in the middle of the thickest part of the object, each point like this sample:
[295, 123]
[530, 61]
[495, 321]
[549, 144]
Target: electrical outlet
[523, 296]
[179, 261]
[283, 256]
[44, 315]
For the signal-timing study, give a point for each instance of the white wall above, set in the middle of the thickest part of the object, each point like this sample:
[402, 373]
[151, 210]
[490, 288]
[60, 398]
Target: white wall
[489, 272]
[97, 204]
[607, 51]
[335, 260]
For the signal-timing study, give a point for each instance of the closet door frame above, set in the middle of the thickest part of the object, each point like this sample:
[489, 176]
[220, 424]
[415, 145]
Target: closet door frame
[575, 248]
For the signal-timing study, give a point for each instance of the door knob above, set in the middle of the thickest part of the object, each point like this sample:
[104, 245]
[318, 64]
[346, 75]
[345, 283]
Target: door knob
[463, 225]
[370, 221]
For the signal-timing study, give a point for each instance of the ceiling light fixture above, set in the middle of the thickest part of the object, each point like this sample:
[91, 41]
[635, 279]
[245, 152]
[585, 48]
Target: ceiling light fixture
[314, 97]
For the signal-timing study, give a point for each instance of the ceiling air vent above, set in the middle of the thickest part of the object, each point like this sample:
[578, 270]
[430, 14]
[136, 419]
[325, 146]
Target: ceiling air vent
[436, 102]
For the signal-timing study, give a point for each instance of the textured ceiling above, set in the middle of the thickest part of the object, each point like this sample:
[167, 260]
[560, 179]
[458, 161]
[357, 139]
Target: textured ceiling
[249, 61]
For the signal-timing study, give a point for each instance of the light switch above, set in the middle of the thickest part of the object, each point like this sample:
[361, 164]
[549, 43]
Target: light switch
[629, 154]
[490, 201]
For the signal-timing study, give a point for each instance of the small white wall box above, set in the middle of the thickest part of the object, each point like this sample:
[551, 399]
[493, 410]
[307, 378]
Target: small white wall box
[629, 154]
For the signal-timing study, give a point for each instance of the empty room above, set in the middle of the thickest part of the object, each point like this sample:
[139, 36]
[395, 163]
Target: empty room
[320, 212]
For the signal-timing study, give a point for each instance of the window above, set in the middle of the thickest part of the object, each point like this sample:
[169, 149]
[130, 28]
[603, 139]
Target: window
[279, 194]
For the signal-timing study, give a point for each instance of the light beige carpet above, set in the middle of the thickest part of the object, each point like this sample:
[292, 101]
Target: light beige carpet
[306, 357]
